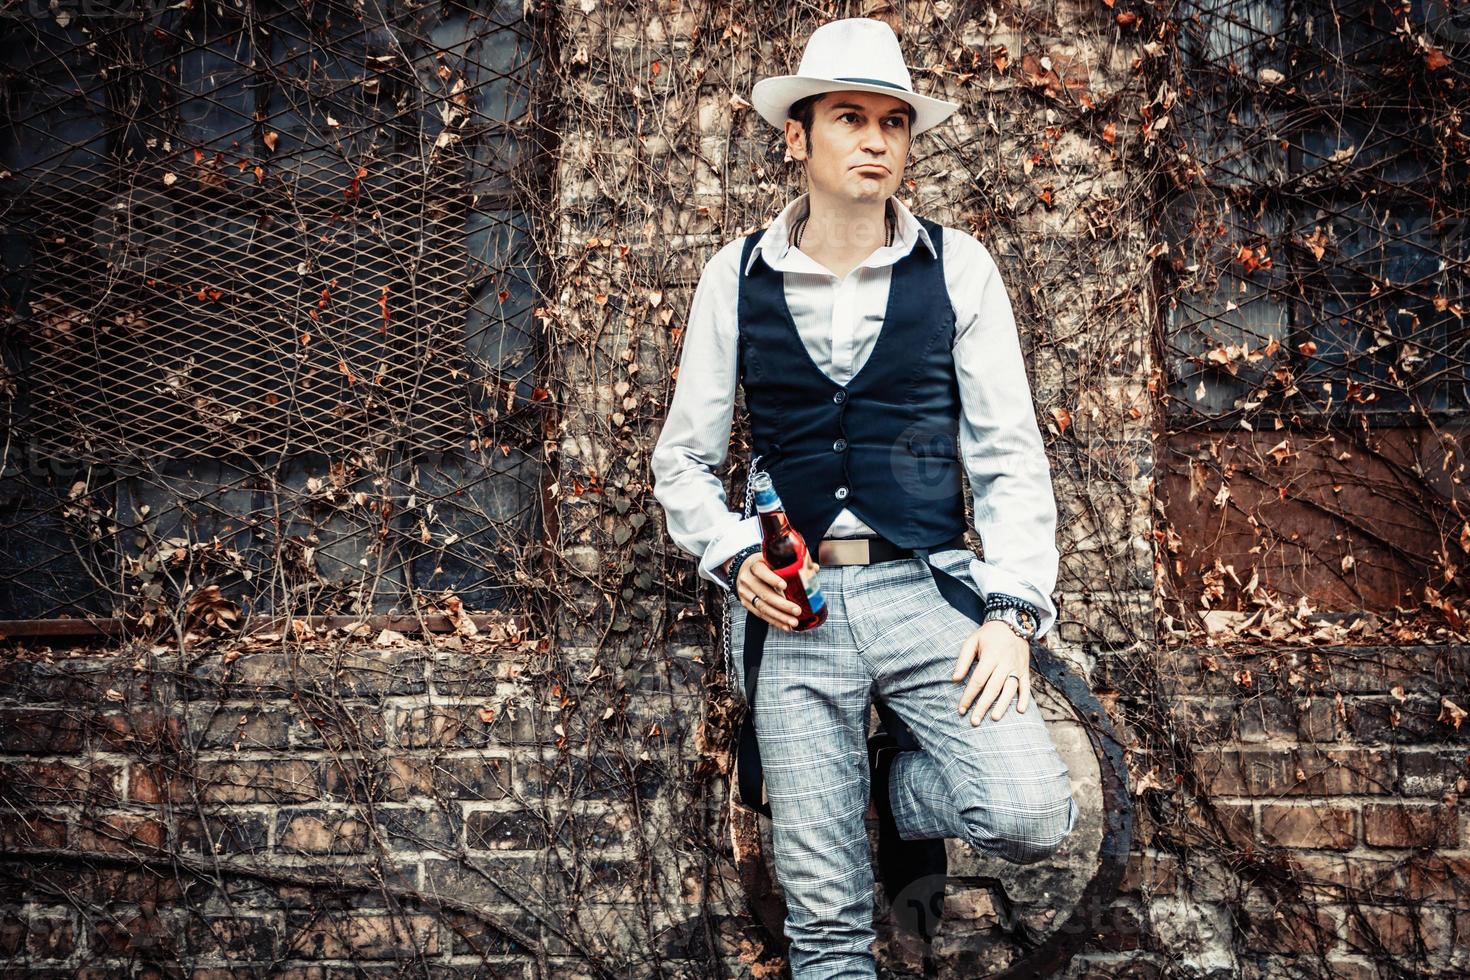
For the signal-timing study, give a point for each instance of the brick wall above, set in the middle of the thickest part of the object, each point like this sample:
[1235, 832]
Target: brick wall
[498, 804]
[333, 805]
[1326, 837]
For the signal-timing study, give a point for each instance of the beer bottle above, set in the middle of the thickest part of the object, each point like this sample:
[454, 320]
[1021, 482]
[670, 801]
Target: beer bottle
[785, 552]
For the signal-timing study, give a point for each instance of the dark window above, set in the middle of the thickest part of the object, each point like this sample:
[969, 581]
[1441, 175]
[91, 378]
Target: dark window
[1325, 167]
[267, 249]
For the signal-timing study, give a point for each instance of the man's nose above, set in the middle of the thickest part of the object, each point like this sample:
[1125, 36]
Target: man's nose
[873, 139]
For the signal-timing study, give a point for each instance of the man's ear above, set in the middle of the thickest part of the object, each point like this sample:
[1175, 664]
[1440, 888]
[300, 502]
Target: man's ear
[796, 147]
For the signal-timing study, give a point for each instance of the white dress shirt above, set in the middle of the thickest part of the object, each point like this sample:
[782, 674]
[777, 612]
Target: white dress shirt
[839, 321]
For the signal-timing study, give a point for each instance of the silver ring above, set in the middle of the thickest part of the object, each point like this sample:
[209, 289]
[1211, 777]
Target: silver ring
[755, 601]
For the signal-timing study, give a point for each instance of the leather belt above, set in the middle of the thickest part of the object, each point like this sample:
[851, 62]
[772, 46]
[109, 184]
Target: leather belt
[871, 551]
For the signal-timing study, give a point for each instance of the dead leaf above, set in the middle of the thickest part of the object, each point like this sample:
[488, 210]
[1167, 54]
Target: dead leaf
[463, 623]
[1450, 713]
[1223, 621]
[1063, 418]
[1148, 781]
[209, 607]
[1317, 242]
[1253, 258]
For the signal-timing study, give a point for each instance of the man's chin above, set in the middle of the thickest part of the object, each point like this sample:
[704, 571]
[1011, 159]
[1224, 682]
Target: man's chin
[863, 182]
[871, 191]
[859, 191]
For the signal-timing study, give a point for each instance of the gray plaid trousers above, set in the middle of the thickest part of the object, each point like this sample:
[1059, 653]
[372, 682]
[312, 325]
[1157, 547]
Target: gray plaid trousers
[1000, 786]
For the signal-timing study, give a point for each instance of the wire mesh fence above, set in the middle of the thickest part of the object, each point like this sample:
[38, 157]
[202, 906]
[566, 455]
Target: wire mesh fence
[269, 285]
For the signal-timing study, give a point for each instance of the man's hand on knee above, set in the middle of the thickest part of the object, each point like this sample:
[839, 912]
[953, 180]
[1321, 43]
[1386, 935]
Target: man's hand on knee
[1001, 663]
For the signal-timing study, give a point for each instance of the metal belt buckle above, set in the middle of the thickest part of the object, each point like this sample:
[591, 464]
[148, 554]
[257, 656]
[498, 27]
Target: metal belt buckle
[843, 551]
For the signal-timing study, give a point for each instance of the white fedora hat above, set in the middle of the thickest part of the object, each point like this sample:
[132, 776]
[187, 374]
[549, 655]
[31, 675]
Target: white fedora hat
[856, 54]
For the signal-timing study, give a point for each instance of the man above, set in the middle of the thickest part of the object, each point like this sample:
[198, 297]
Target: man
[868, 341]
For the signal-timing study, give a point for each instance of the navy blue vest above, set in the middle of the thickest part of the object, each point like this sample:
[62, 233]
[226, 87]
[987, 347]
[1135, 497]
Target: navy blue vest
[884, 445]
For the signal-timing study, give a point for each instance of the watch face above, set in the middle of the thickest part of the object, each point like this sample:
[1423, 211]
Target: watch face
[1027, 620]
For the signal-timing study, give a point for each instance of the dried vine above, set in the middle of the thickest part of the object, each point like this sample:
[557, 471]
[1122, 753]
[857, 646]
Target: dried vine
[331, 308]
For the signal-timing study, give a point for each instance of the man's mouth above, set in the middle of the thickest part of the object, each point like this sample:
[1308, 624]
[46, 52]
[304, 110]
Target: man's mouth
[871, 166]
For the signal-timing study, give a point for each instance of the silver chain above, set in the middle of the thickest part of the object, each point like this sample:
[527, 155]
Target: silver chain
[749, 491]
[730, 613]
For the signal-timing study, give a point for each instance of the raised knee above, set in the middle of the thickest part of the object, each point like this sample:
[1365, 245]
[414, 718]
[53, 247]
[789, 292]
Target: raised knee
[1045, 832]
[1022, 831]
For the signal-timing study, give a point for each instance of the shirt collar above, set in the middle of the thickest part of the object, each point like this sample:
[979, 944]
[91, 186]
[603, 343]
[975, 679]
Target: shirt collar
[775, 244]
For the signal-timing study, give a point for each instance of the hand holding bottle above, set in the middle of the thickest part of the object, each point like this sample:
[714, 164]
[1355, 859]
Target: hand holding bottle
[787, 559]
[763, 592]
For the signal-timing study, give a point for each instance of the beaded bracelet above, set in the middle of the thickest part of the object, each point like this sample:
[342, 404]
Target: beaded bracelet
[739, 560]
[1008, 609]
[999, 600]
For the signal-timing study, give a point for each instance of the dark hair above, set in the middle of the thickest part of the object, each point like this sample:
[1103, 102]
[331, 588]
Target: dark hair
[802, 110]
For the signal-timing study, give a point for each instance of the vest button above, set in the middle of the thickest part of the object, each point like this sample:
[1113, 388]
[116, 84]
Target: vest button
[841, 493]
[839, 397]
[839, 446]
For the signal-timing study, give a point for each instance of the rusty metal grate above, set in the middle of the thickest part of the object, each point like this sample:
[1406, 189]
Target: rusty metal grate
[269, 279]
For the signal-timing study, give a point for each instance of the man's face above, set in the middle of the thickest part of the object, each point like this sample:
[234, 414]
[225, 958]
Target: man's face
[857, 147]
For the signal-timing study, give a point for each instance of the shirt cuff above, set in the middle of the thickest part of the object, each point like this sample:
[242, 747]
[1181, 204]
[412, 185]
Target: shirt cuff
[997, 581]
[726, 546]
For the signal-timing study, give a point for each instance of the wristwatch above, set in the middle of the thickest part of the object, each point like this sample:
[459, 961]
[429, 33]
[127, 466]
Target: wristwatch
[1022, 621]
